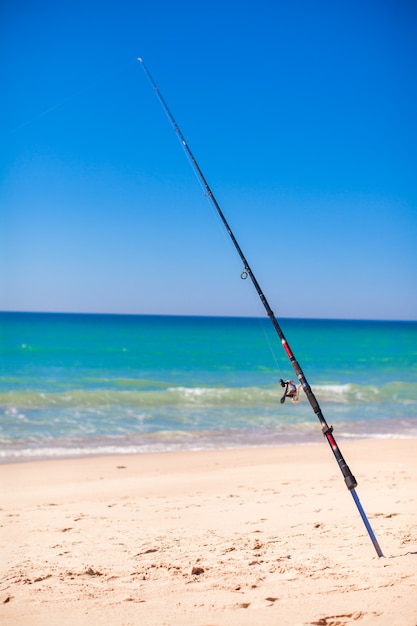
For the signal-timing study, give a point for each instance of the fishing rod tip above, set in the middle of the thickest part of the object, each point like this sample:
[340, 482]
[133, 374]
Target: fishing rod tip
[140, 59]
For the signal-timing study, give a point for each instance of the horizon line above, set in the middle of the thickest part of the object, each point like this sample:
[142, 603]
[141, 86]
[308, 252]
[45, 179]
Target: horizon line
[202, 315]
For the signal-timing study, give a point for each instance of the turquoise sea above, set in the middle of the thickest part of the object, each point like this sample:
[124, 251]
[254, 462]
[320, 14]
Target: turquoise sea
[74, 385]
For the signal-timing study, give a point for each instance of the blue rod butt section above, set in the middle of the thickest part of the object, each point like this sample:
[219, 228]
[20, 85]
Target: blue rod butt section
[366, 522]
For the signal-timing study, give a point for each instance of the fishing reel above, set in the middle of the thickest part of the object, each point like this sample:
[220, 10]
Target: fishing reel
[291, 391]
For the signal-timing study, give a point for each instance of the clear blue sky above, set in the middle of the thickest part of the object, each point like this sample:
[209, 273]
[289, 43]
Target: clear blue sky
[301, 114]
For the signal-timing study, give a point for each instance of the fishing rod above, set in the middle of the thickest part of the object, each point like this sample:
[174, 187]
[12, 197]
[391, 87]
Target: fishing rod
[327, 430]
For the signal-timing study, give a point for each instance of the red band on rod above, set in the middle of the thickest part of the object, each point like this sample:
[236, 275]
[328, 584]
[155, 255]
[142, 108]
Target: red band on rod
[331, 440]
[287, 349]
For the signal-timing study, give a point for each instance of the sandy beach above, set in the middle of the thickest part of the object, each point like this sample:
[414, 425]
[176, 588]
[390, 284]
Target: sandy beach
[234, 537]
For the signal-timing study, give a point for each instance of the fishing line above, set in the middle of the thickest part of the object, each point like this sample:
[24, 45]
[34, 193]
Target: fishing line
[243, 274]
[350, 480]
[271, 348]
[262, 324]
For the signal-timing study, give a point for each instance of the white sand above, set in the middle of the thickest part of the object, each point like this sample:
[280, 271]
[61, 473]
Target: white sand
[245, 537]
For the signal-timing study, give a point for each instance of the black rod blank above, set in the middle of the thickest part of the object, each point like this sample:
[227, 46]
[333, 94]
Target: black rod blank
[327, 430]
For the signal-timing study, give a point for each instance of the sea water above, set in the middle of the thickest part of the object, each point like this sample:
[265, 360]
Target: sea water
[74, 385]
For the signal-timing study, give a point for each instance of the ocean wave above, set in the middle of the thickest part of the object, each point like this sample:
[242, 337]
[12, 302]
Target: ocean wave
[15, 401]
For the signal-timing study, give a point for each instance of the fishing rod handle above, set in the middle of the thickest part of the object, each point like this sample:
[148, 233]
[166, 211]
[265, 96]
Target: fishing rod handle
[350, 480]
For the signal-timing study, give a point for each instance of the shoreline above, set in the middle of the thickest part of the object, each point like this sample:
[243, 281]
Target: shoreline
[227, 537]
[200, 441]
